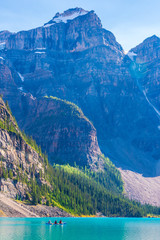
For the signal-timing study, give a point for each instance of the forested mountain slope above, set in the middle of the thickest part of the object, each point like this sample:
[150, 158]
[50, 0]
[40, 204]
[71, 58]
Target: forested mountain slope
[26, 175]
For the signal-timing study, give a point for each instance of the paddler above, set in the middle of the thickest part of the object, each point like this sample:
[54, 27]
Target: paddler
[55, 222]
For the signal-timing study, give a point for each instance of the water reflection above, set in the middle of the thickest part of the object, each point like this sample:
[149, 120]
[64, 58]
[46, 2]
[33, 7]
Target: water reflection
[148, 229]
[80, 229]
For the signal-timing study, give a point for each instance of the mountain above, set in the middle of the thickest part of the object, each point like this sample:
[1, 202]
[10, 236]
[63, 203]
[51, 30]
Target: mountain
[74, 30]
[73, 58]
[74, 90]
[27, 47]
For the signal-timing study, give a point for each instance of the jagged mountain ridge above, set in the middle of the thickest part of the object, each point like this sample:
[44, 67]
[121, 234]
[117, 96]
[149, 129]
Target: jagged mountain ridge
[147, 55]
[65, 35]
[81, 62]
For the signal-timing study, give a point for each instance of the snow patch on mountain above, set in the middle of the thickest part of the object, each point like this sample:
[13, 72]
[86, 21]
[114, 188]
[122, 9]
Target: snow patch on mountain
[21, 77]
[131, 55]
[66, 16]
[40, 49]
[20, 88]
[155, 109]
[2, 45]
[39, 52]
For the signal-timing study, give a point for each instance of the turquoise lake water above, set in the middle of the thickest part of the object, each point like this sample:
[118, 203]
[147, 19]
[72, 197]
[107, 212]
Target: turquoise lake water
[80, 229]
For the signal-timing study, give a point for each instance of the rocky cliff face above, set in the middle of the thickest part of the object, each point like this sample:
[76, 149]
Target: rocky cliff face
[73, 58]
[147, 56]
[4, 35]
[66, 134]
[15, 154]
[146, 64]
[148, 50]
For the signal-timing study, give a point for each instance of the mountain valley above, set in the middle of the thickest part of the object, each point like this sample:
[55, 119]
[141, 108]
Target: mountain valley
[72, 88]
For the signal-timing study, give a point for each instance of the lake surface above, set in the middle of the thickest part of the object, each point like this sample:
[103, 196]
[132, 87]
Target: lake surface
[80, 229]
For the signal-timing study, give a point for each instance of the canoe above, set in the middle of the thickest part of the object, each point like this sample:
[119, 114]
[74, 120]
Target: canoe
[56, 224]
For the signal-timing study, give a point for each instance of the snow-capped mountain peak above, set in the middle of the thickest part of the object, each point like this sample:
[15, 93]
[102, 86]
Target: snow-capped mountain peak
[66, 16]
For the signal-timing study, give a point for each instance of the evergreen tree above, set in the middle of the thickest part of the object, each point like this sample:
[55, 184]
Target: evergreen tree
[34, 198]
[10, 174]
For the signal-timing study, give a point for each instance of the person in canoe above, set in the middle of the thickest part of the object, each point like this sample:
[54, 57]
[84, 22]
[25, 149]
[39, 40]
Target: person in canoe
[60, 222]
[55, 222]
[49, 222]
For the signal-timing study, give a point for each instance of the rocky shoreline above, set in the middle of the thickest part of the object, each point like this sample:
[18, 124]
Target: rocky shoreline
[12, 208]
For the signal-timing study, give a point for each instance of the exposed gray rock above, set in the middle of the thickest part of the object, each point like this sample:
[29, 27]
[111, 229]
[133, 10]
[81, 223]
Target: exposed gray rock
[144, 190]
[46, 211]
[16, 156]
[11, 208]
[12, 190]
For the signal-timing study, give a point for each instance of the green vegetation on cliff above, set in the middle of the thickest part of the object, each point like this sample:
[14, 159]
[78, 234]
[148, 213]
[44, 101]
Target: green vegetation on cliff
[70, 108]
[109, 177]
[8, 123]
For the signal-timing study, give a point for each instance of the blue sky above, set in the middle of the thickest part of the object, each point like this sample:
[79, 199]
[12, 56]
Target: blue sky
[131, 21]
